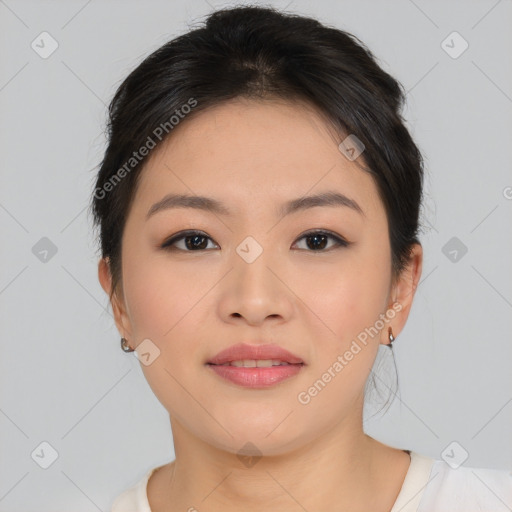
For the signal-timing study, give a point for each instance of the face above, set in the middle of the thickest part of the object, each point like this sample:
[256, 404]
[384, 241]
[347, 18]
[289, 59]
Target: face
[258, 276]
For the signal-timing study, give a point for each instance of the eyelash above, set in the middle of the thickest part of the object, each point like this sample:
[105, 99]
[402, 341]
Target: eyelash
[168, 244]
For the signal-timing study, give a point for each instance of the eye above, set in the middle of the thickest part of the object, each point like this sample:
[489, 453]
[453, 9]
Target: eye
[318, 240]
[197, 241]
[194, 240]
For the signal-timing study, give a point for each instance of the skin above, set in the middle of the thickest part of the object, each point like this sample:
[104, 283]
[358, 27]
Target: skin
[253, 156]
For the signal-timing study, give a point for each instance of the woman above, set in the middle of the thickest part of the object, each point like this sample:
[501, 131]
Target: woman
[273, 148]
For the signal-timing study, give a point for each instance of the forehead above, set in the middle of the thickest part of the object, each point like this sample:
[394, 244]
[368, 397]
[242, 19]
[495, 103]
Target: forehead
[250, 152]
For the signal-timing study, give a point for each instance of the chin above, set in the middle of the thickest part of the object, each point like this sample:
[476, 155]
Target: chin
[262, 440]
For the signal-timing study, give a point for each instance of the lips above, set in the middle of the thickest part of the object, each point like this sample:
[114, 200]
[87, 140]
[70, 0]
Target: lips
[242, 351]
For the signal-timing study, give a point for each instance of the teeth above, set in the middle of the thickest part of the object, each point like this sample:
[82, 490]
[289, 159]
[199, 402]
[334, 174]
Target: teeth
[260, 363]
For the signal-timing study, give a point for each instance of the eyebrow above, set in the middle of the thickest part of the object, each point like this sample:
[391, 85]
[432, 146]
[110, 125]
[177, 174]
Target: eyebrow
[212, 205]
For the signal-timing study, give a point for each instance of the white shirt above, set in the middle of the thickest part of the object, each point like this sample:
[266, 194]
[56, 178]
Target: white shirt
[429, 486]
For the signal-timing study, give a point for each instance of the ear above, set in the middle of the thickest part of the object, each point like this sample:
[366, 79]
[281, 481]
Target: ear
[118, 306]
[402, 294]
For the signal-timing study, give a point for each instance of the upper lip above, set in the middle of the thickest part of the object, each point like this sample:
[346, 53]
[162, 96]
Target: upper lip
[243, 351]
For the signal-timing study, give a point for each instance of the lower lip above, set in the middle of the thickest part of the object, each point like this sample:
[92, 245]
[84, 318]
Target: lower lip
[256, 377]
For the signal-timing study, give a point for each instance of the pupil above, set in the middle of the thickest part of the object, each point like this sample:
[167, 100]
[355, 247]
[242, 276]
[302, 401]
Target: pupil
[316, 237]
[195, 238]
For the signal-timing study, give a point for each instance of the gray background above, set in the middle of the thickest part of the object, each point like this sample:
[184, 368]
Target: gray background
[65, 380]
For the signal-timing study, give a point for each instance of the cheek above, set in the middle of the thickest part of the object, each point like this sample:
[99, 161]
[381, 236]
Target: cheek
[342, 359]
[346, 341]
[347, 299]
[164, 305]
[159, 297]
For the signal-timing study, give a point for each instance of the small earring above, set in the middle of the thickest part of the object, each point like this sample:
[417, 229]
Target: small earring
[391, 337]
[125, 346]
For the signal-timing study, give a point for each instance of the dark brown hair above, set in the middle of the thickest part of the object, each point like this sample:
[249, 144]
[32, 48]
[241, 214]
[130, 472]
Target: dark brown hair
[260, 52]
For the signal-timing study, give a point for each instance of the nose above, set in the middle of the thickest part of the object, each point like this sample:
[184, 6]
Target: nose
[256, 289]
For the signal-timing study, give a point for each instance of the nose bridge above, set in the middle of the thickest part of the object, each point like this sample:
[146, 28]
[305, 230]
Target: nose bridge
[254, 288]
[251, 250]
[252, 260]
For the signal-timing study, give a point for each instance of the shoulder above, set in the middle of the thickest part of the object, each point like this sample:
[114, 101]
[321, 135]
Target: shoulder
[466, 489]
[134, 499]
[126, 502]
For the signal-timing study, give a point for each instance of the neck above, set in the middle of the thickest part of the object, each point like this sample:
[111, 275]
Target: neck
[341, 468]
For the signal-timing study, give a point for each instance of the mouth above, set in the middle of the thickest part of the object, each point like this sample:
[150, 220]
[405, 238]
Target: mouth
[250, 356]
[256, 363]
[255, 366]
